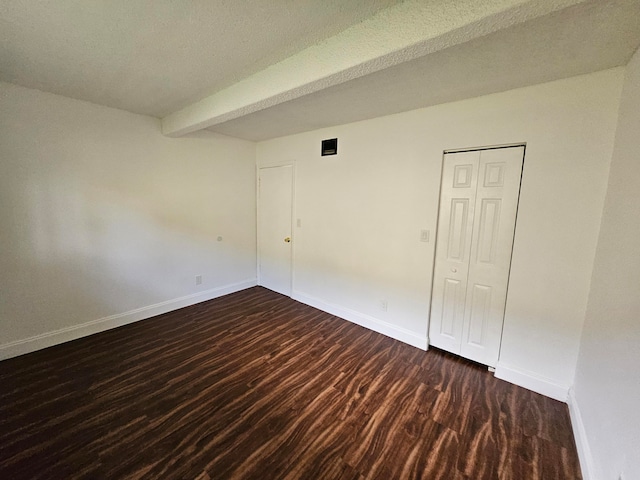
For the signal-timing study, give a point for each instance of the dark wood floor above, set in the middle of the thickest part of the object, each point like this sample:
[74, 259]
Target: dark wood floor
[257, 386]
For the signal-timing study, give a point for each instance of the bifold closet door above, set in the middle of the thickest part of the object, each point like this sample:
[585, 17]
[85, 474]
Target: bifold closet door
[453, 246]
[473, 256]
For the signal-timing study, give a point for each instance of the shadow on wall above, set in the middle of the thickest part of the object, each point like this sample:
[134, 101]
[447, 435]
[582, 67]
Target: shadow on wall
[80, 250]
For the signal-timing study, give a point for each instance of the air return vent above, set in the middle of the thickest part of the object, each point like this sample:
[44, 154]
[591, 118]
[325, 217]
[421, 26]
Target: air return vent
[330, 147]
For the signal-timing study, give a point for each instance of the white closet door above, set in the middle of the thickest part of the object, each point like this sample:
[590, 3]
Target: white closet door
[493, 228]
[455, 228]
[476, 224]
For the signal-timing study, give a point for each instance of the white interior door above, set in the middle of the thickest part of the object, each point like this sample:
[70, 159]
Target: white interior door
[453, 246]
[497, 195]
[275, 191]
[470, 323]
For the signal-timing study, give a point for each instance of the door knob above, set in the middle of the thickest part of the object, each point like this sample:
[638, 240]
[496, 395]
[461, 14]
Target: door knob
[454, 270]
[287, 239]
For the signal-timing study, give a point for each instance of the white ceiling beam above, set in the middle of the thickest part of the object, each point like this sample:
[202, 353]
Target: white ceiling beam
[401, 33]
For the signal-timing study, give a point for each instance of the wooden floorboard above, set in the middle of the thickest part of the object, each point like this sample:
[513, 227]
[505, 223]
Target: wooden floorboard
[254, 385]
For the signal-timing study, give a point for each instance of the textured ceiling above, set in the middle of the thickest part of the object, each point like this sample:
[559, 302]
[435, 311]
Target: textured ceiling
[398, 34]
[577, 40]
[259, 69]
[156, 56]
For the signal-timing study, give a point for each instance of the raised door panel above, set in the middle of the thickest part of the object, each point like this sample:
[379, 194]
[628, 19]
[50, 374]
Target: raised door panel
[489, 226]
[458, 229]
[450, 300]
[480, 306]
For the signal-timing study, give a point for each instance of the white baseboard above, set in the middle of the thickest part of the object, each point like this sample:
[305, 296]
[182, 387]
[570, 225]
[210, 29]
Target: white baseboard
[532, 381]
[377, 325]
[48, 339]
[580, 435]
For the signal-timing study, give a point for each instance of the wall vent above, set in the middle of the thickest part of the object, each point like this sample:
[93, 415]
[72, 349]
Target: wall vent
[330, 147]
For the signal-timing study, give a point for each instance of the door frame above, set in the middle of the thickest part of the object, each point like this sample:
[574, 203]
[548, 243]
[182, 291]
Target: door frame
[435, 242]
[292, 164]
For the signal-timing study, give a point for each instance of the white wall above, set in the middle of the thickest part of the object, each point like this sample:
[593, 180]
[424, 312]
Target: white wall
[362, 211]
[101, 215]
[607, 384]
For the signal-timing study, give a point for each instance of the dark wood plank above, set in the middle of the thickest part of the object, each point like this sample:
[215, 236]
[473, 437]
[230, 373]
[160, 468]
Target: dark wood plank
[256, 385]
